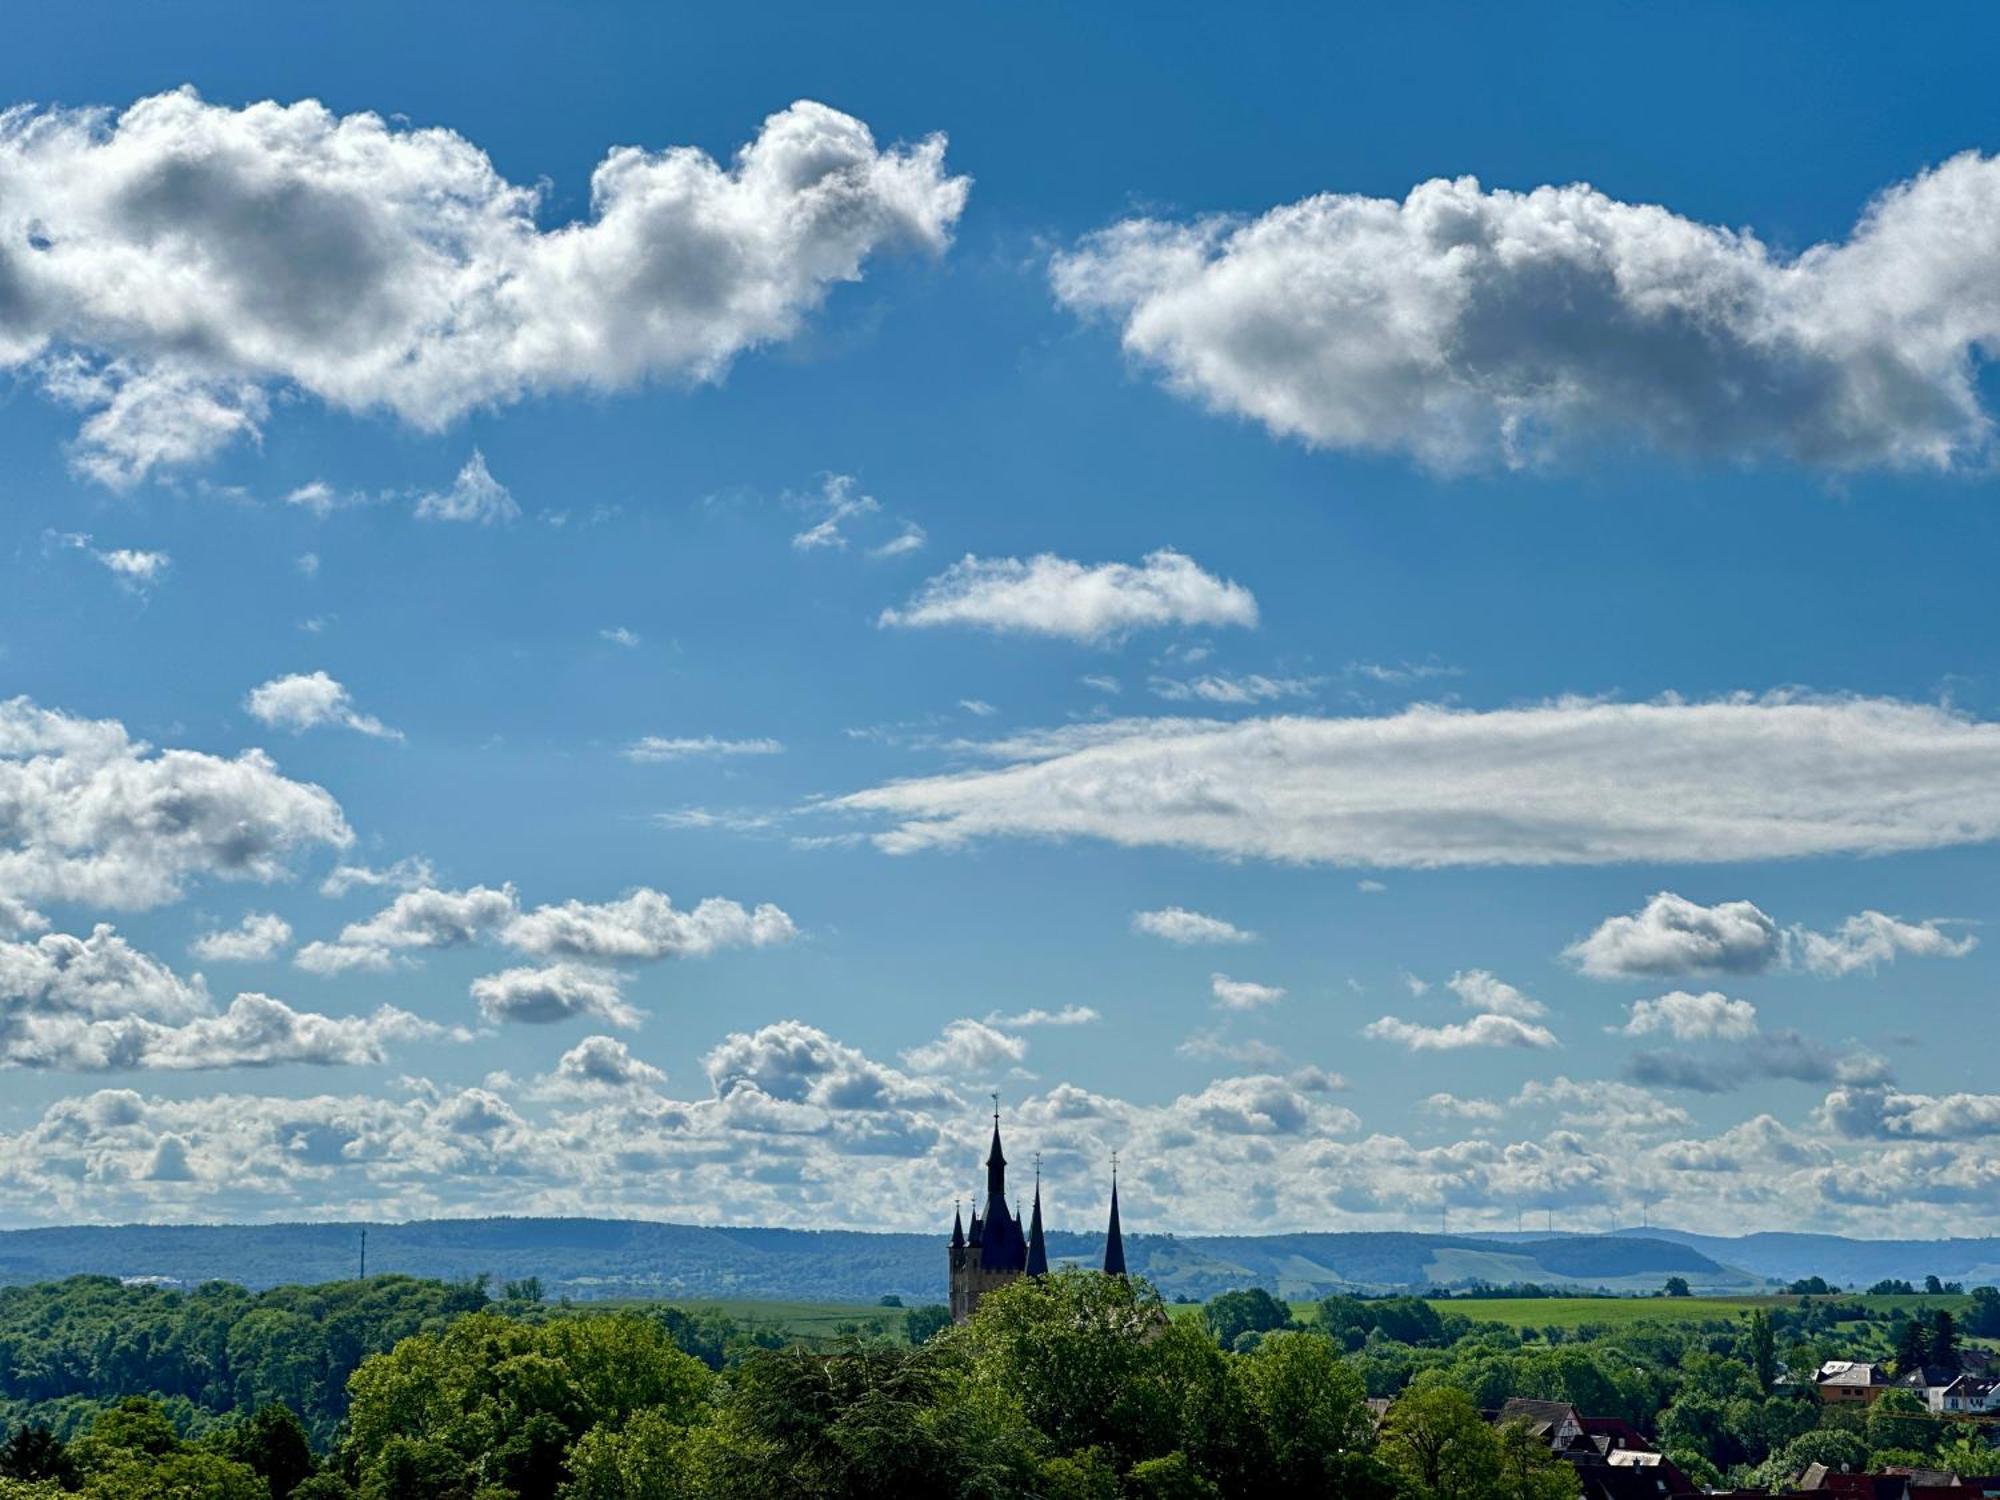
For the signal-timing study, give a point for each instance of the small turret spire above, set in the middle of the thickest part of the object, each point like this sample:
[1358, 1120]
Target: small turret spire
[1038, 1252]
[957, 1227]
[1114, 1238]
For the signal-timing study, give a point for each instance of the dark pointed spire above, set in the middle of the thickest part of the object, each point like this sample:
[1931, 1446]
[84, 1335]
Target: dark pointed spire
[957, 1227]
[996, 1166]
[1038, 1252]
[1114, 1238]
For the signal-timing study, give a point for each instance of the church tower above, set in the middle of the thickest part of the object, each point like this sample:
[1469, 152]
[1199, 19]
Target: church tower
[995, 1252]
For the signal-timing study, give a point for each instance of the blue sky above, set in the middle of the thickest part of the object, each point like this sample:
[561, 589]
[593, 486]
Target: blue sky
[1019, 505]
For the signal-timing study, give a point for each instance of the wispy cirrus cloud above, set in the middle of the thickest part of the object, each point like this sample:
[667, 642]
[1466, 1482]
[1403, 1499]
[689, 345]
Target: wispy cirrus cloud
[1567, 782]
[652, 748]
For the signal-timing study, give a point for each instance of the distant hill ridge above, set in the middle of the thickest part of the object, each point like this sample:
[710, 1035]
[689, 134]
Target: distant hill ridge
[1844, 1261]
[592, 1258]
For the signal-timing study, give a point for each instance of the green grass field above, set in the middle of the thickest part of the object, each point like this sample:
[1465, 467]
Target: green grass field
[1573, 1312]
[808, 1319]
[828, 1320]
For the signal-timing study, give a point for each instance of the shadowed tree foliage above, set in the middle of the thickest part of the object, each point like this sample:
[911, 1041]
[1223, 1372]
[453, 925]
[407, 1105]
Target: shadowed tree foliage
[273, 1443]
[35, 1453]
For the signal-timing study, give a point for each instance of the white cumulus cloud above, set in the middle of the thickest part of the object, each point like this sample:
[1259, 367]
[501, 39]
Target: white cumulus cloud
[1671, 935]
[1480, 1031]
[97, 1004]
[541, 996]
[1050, 595]
[967, 1048]
[475, 496]
[645, 924]
[422, 919]
[1693, 1017]
[260, 935]
[134, 567]
[168, 268]
[1467, 326]
[88, 814]
[311, 700]
[1870, 938]
[1178, 925]
[601, 1065]
[1243, 994]
[255, 1032]
[1481, 991]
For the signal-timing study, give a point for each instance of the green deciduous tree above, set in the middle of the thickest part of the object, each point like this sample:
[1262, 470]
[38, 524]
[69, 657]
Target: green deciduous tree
[273, 1443]
[1436, 1440]
[1900, 1419]
[1076, 1351]
[1252, 1310]
[494, 1400]
[1762, 1347]
[921, 1324]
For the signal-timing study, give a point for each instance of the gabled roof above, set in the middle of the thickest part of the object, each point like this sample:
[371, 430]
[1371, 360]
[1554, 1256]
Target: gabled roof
[1930, 1376]
[1537, 1413]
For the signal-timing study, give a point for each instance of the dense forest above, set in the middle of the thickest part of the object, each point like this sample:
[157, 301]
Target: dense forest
[1076, 1385]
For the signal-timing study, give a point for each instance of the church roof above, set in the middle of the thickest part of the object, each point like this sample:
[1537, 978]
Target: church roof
[1038, 1252]
[1003, 1247]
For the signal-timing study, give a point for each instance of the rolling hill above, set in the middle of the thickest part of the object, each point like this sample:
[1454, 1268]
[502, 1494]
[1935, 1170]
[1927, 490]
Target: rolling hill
[1845, 1262]
[592, 1258]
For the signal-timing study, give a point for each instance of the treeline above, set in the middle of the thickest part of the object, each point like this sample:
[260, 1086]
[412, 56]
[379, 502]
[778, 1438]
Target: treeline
[218, 1352]
[1073, 1387]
